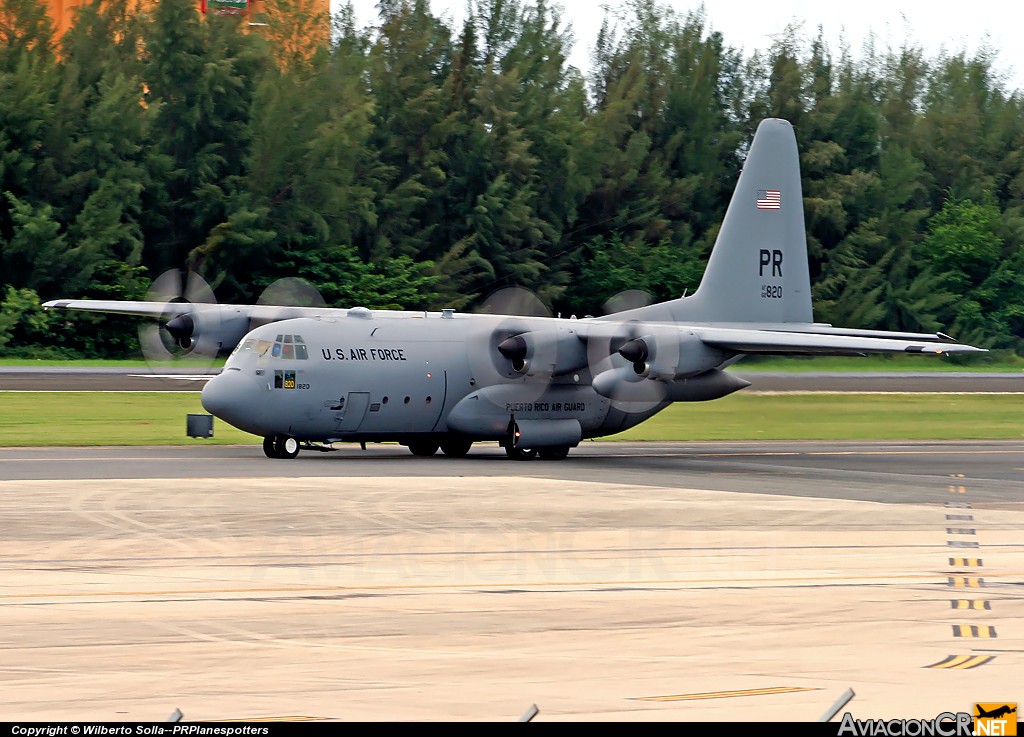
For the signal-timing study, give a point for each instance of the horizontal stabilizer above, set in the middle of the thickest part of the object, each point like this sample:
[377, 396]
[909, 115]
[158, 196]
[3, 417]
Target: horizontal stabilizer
[800, 343]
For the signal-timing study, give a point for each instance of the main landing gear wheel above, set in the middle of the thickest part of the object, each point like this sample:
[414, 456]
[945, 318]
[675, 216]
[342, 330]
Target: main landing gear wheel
[286, 446]
[520, 454]
[280, 446]
[423, 447]
[456, 448]
[556, 453]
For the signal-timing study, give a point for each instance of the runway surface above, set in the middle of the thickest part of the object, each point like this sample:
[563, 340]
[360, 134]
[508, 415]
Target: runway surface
[17, 378]
[699, 581]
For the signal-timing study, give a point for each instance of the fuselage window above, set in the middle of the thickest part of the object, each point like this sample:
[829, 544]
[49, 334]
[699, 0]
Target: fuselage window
[284, 379]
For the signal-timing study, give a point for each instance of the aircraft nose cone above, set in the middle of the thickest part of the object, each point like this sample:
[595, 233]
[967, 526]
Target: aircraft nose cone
[234, 398]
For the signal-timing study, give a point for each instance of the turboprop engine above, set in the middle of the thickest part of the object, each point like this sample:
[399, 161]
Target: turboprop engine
[665, 364]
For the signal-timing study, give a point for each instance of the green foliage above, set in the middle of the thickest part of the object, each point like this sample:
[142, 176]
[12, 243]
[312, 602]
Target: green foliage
[416, 163]
[963, 242]
[22, 319]
[345, 280]
[611, 266]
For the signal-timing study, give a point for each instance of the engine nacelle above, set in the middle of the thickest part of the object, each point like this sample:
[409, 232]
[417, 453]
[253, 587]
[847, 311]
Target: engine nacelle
[206, 329]
[713, 384]
[624, 385]
[551, 352]
[667, 353]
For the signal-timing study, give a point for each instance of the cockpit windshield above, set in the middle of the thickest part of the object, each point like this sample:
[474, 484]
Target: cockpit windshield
[286, 347]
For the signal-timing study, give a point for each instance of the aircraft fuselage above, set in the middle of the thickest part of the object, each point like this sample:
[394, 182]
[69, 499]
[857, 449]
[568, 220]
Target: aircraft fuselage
[403, 379]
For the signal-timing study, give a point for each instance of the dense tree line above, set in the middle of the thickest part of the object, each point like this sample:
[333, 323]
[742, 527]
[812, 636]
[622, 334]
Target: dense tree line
[419, 164]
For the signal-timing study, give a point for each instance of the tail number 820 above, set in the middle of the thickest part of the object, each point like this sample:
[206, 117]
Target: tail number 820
[771, 291]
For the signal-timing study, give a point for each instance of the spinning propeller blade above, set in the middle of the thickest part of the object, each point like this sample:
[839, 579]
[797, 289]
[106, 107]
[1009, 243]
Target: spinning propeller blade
[174, 336]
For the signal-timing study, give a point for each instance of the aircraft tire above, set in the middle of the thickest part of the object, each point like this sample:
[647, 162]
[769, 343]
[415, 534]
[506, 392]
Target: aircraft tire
[423, 447]
[520, 454]
[555, 453]
[268, 447]
[286, 446]
[456, 448]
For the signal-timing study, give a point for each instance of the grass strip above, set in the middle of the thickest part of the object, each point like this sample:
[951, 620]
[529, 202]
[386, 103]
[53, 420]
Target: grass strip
[158, 418]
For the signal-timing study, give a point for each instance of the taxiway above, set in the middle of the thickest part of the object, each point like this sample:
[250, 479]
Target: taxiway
[699, 581]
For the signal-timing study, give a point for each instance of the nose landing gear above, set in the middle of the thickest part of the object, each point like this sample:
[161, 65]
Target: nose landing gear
[280, 446]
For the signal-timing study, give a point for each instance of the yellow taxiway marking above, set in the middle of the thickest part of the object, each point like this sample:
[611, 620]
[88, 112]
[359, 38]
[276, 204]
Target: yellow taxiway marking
[957, 489]
[970, 604]
[726, 694]
[966, 562]
[962, 662]
[973, 630]
[966, 582]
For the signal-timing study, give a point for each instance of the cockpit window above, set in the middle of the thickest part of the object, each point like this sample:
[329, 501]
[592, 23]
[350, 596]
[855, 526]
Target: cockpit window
[289, 348]
[261, 347]
[244, 346]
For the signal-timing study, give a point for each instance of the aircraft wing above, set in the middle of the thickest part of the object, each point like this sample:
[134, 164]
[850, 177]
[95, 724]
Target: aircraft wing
[803, 343]
[160, 309]
[123, 307]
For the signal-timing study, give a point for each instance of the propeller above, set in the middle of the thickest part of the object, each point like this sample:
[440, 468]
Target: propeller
[629, 299]
[622, 356]
[176, 335]
[516, 351]
[287, 292]
[622, 361]
[194, 327]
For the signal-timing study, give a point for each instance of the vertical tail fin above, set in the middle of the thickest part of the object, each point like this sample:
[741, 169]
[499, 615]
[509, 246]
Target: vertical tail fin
[758, 268]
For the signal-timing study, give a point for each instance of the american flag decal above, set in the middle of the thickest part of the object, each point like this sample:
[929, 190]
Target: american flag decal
[769, 199]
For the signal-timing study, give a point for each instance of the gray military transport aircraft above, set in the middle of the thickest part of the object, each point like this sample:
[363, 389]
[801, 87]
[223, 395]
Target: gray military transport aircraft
[315, 376]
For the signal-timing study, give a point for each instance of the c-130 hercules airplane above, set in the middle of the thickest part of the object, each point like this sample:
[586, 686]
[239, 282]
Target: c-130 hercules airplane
[537, 385]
